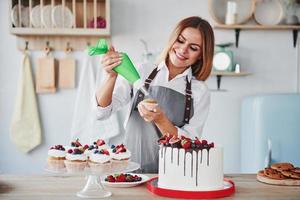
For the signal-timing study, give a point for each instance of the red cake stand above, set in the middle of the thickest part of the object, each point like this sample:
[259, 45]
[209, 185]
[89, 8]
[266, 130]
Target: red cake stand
[227, 191]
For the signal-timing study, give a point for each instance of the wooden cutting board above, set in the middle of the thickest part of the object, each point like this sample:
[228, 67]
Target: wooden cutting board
[66, 76]
[45, 75]
[264, 179]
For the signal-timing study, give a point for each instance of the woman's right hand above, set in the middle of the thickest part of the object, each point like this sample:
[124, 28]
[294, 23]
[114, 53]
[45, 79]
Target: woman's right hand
[110, 60]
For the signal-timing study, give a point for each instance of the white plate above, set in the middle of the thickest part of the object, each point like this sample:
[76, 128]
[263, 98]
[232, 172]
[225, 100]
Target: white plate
[46, 16]
[62, 17]
[14, 15]
[25, 17]
[36, 16]
[268, 12]
[126, 184]
[245, 9]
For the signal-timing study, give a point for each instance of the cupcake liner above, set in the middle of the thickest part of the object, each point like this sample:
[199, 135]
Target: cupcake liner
[75, 166]
[119, 165]
[101, 168]
[55, 164]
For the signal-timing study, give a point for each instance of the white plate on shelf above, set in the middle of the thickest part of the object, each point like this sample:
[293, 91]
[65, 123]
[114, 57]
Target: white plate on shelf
[36, 17]
[62, 17]
[218, 8]
[46, 16]
[14, 15]
[125, 184]
[268, 12]
[25, 16]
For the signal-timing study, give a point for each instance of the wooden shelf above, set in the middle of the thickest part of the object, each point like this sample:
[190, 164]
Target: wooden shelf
[257, 27]
[219, 75]
[83, 31]
[238, 28]
[60, 31]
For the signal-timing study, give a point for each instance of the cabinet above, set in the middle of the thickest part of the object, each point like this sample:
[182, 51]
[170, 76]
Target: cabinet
[59, 23]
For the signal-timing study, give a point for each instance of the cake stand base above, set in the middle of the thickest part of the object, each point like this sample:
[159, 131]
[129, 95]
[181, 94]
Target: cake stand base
[93, 188]
[226, 191]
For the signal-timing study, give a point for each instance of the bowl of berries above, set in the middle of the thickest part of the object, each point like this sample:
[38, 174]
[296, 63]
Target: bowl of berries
[124, 180]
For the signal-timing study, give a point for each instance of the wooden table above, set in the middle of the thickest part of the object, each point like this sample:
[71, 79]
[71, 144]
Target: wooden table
[48, 187]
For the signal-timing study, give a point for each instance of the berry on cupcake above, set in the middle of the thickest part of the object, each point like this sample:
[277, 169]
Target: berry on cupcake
[56, 157]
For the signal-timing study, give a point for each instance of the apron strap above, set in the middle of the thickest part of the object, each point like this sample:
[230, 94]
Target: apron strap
[188, 100]
[147, 84]
[150, 78]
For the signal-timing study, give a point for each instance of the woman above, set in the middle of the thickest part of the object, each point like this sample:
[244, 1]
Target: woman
[176, 83]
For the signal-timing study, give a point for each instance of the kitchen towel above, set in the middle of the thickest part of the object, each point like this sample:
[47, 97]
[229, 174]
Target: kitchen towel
[84, 124]
[25, 130]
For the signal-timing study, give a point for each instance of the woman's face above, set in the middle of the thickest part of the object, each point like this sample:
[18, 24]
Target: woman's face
[187, 49]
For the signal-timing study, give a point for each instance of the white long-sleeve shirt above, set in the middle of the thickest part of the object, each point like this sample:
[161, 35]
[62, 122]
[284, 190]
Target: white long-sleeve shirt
[200, 95]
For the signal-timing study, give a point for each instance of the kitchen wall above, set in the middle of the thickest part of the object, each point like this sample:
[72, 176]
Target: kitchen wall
[268, 55]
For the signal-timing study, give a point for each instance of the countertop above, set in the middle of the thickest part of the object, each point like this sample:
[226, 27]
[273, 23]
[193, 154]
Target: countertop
[46, 186]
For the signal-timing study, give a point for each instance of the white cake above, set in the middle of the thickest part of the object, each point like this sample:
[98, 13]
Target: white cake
[190, 169]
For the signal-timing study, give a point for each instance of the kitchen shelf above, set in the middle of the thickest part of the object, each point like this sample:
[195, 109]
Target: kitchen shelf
[82, 32]
[238, 28]
[220, 74]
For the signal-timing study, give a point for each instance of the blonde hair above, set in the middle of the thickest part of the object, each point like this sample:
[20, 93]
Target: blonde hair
[202, 68]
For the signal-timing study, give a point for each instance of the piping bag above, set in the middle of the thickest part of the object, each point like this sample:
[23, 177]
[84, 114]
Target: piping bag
[125, 68]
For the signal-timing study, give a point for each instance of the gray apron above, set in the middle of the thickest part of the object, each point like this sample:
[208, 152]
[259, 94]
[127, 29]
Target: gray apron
[141, 137]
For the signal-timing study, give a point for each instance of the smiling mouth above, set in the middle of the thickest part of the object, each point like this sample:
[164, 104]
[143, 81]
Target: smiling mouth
[179, 56]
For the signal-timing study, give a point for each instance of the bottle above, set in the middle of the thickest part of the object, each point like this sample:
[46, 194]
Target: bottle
[125, 68]
[231, 13]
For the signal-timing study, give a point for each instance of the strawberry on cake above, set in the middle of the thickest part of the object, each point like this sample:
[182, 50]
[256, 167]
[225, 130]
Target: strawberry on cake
[56, 157]
[189, 165]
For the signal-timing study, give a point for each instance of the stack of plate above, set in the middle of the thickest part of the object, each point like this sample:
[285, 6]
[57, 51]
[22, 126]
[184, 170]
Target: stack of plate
[48, 17]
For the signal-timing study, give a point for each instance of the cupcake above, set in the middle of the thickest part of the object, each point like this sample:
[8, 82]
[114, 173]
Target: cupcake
[56, 157]
[76, 160]
[150, 104]
[99, 161]
[120, 157]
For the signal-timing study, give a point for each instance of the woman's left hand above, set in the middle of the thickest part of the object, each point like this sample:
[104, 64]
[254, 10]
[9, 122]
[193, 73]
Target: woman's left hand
[151, 116]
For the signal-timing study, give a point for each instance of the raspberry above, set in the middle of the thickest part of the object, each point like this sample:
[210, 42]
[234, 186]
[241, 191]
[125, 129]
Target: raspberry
[70, 151]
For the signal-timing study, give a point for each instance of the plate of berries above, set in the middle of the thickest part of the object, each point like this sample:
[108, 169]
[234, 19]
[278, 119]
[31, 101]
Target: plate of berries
[124, 180]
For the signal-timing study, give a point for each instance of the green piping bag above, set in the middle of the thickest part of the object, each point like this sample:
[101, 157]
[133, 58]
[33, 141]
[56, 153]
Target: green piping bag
[125, 68]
